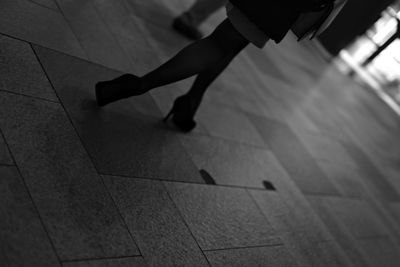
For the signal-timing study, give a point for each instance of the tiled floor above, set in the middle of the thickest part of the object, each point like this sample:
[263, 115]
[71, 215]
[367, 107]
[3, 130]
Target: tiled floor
[83, 186]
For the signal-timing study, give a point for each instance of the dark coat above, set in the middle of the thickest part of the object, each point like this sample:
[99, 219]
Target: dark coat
[276, 17]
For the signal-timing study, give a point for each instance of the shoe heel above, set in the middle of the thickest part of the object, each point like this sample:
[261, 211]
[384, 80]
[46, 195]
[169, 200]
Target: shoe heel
[179, 118]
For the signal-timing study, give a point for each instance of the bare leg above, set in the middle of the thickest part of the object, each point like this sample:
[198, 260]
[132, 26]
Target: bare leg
[205, 79]
[198, 57]
[209, 55]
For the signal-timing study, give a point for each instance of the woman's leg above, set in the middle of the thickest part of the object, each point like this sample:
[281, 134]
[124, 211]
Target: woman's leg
[199, 57]
[204, 80]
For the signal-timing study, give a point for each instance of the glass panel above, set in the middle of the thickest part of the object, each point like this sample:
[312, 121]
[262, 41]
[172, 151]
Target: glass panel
[385, 68]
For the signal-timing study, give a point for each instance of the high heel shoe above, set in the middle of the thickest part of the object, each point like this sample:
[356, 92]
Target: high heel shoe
[182, 113]
[122, 87]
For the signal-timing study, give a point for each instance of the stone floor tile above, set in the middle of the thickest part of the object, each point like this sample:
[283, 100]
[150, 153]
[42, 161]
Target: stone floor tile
[332, 255]
[130, 130]
[302, 237]
[304, 252]
[222, 217]
[119, 262]
[231, 163]
[47, 3]
[348, 181]
[234, 164]
[261, 256]
[374, 179]
[301, 124]
[395, 210]
[96, 39]
[223, 92]
[164, 42]
[5, 156]
[229, 123]
[24, 241]
[383, 214]
[391, 175]
[21, 72]
[325, 148]
[293, 156]
[155, 223]
[76, 209]
[264, 64]
[381, 252]
[131, 34]
[338, 229]
[325, 120]
[119, 19]
[143, 59]
[288, 218]
[358, 217]
[153, 12]
[33, 23]
[74, 80]
[274, 108]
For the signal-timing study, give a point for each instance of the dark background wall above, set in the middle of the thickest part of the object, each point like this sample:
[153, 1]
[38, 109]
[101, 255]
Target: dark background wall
[356, 17]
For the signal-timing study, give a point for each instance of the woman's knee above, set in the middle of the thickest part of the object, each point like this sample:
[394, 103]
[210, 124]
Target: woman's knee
[227, 38]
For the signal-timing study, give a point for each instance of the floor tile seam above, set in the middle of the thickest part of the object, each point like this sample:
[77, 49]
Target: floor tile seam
[388, 222]
[281, 244]
[81, 59]
[7, 165]
[60, 52]
[335, 163]
[184, 221]
[373, 237]
[182, 182]
[380, 205]
[158, 26]
[35, 207]
[119, 212]
[102, 258]
[260, 210]
[72, 30]
[347, 230]
[160, 55]
[119, 35]
[87, 60]
[85, 149]
[114, 35]
[375, 192]
[290, 252]
[330, 195]
[243, 111]
[228, 140]
[41, 5]
[30, 96]
[14, 164]
[322, 194]
[119, 71]
[334, 240]
[320, 222]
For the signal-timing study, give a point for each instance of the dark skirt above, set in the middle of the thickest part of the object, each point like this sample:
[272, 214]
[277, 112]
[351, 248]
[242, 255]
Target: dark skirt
[245, 27]
[274, 17]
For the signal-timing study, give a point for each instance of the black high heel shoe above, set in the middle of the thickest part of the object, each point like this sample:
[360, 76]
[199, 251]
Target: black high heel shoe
[182, 113]
[124, 86]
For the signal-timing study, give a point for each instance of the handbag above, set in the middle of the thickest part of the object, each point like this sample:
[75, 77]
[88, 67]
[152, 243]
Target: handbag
[313, 23]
